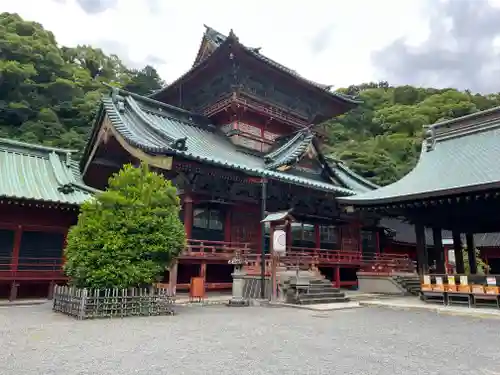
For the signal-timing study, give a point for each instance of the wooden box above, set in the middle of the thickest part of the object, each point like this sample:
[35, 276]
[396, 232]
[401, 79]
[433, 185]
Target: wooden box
[477, 289]
[426, 287]
[438, 288]
[450, 288]
[491, 290]
[197, 288]
[464, 288]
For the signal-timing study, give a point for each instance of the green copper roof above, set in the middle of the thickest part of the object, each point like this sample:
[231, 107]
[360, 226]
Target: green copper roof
[39, 173]
[350, 178]
[290, 151]
[156, 128]
[277, 216]
[457, 156]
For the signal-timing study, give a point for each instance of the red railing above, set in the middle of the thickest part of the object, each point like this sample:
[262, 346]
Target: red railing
[31, 268]
[307, 258]
[219, 251]
[214, 250]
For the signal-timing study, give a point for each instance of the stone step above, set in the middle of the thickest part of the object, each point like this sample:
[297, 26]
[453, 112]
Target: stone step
[323, 291]
[321, 300]
[324, 294]
[319, 287]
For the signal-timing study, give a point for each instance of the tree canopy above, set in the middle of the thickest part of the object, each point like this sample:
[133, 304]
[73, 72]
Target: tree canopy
[381, 138]
[50, 94]
[127, 235]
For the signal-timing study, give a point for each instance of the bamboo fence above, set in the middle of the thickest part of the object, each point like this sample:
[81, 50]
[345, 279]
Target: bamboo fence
[110, 303]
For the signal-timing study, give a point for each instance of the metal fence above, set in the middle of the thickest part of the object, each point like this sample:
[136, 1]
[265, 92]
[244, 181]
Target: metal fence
[109, 303]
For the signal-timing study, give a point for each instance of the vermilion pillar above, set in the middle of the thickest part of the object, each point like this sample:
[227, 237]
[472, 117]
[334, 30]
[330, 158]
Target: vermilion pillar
[14, 261]
[227, 226]
[188, 215]
[317, 236]
[337, 277]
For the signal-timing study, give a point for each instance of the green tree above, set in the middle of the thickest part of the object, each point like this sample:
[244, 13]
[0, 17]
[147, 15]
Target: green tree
[127, 235]
[482, 267]
[144, 81]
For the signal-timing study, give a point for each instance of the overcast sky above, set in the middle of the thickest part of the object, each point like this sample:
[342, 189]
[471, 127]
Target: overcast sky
[453, 43]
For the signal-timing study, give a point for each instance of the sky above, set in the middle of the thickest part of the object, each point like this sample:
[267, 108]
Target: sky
[436, 43]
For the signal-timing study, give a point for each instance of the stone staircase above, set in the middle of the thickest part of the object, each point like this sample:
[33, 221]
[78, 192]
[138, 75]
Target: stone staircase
[307, 291]
[410, 283]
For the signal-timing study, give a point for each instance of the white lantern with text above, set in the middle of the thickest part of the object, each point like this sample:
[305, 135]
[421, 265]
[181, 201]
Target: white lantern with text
[279, 242]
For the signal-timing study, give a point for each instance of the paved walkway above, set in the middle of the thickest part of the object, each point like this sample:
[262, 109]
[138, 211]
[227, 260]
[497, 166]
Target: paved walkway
[414, 303]
[249, 341]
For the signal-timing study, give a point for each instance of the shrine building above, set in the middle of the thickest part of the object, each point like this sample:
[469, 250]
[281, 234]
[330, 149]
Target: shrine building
[453, 191]
[40, 195]
[237, 133]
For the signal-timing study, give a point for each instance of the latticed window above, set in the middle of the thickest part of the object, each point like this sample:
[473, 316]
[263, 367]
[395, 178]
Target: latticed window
[208, 218]
[328, 233]
[302, 232]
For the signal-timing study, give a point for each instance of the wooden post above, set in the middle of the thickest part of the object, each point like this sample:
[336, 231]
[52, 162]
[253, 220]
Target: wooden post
[13, 291]
[50, 292]
[457, 248]
[337, 277]
[227, 226]
[438, 249]
[288, 232]
[14, 262]
[422, 260]
[203, 271]
[172, 280]
[188, 216]
[471, 252]
[377, 239]
[274, 262]
[317, 236]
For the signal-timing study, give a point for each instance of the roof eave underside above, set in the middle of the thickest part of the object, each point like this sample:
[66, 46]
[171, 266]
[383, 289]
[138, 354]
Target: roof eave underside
[409, 198]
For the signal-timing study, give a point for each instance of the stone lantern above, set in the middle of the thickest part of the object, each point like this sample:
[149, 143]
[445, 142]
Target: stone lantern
[238, 281]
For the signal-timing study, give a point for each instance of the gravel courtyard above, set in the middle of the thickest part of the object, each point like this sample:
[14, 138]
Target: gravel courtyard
[221, 340]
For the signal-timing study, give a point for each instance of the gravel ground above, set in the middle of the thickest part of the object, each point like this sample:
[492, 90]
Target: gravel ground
[257, 340]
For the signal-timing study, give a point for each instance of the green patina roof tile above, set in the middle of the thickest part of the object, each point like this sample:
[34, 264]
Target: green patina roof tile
[39, 173]
[454, 159]
[155, 127]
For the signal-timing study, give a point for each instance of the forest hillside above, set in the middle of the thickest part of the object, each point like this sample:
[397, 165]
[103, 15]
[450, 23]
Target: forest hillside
[49, 94]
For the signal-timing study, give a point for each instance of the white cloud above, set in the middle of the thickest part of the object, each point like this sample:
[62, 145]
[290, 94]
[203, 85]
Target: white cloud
[330, 41]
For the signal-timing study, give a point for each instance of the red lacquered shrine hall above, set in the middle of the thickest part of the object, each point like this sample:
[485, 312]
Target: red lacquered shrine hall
[40, 195]
[237, 129]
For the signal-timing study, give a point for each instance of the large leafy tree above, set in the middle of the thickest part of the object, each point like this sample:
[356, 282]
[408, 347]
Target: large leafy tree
[127, 235]
[50, 94]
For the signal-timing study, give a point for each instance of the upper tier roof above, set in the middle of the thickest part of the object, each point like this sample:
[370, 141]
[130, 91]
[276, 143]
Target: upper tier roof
[216, 40]
[158, 128]
[457, 156]
[38, 173]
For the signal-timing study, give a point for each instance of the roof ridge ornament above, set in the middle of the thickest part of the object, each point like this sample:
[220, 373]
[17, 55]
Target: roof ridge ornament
[430, 138]
[233, 36]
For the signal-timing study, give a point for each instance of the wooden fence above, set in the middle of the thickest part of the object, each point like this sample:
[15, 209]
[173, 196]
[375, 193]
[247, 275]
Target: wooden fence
[109, 303]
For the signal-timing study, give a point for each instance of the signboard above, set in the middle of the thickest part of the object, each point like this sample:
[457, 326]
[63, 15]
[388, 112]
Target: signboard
[491, 281]
[439, 280]
[451, 280]
[279, 241]
[464, 280]
[427, 280]
[447, 241]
